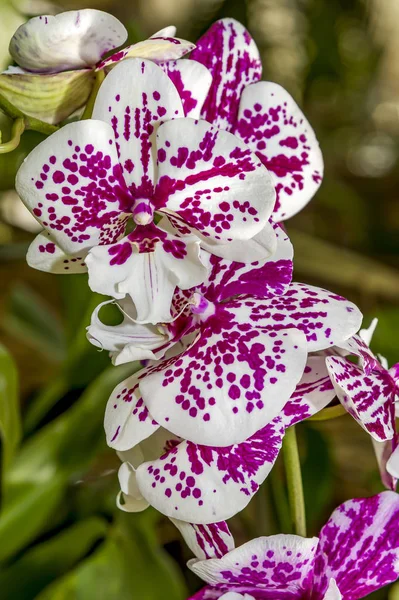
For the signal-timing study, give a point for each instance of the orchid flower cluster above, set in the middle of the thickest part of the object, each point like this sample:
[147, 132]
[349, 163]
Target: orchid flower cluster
[171, 196]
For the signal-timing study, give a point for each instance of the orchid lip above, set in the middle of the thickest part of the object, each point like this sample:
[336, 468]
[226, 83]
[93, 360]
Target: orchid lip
[143, 212]
[201, 306]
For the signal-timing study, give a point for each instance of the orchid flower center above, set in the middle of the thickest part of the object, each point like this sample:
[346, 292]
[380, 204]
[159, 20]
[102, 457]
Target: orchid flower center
[143, 212]
[201, 306]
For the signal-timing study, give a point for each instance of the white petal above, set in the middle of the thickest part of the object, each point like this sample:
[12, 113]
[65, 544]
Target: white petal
[192, 80]
[156, 49]
[44, 254]
[72, 183]
[273, 126]
[134, 99]
[127, 421]
[128, 341]
[206, 541]
[210, 181]
[70, 40]
[129, 498]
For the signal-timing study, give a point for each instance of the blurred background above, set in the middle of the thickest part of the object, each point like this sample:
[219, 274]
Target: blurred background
[61, 536]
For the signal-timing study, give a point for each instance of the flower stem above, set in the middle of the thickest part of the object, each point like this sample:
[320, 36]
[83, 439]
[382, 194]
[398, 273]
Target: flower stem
[17, 130]
[294, 481]
[100, 75]
[329, 413]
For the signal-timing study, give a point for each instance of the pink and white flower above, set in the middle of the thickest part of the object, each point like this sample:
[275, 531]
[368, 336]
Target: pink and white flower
[139, 156]
[356, 553]
[262, 114]
[370, 393]
[194, 482]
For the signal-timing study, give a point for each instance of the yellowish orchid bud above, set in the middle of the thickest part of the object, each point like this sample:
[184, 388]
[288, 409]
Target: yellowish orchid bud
[50, 98]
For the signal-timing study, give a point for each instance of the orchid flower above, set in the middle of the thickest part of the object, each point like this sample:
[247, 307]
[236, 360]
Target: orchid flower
[136, 158]
[262, 114]
[194, 482]
[216, 410]
[57, 57]
[370, 393]
[355, 554]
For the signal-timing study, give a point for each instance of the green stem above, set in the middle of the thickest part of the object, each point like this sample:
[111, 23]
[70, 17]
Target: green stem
[294, 481]
[17, 130]
[100, 75]
[329, 413]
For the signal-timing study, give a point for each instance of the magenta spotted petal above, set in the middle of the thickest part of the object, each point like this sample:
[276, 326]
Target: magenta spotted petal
[127, 421]
[368, 398]
[210, 181]
[325, 318]
[192, 80]
[278, 566]
[273, 126]
[178, 480]
[359, 546]
[135, 98]
[231, 381]
[44, 254]
[231, 55]
[263, 278]
[206, 541]
[204, 484]
[72, 184]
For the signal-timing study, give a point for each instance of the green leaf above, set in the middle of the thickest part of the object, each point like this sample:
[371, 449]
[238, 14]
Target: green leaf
[128, 566]
[47, 561]
[31, 318]
[10, 421]
[38, 479]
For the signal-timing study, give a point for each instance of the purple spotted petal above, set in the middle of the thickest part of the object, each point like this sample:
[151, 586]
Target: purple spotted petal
[359, 546]
[273, 126]
[210, 181]
[357, 346]
[72, 184]
[157, 260]
[387, 455]
[313, 393]
[134, 99]
[231, 381]
[192, 80]
[69, 40]
[156, 49]
[262, 278]
[204, 484]
[44, 254]
[206, 541]
[325, 318]
[278, 566]
[127, 421]
[232, 57]
[368, 398]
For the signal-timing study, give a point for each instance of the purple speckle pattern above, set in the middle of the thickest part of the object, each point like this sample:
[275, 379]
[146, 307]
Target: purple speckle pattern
[262, 114]
[206, 541]
[273, 126]
[207, 483]
[231, 55]
[368, 396]
[192, 81]
[357, 553]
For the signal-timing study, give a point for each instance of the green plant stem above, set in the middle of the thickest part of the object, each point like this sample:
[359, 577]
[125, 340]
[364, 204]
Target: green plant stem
[326, 414]
[100, 75]
[17, 130]
[294, 481]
